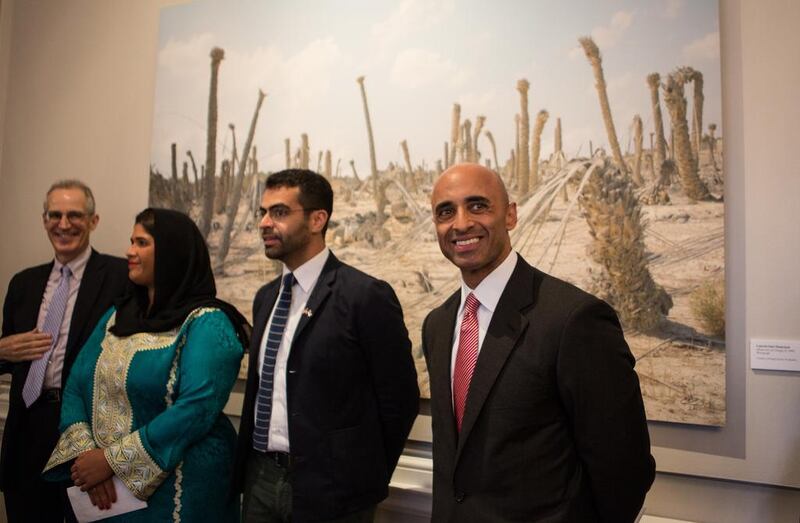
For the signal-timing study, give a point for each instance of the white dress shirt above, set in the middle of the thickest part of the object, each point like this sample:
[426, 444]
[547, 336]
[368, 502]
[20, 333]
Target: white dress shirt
[52, 376]
[305, 278]
[488, 293]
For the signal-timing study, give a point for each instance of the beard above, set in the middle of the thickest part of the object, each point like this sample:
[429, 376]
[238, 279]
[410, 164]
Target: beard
[284, 245]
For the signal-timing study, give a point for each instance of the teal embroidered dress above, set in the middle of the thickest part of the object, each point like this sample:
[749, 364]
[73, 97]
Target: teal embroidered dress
[153, 402]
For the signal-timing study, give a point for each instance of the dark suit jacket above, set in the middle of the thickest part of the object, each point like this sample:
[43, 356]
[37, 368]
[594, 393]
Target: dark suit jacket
[554, 427]
[104, 278]
[352, 392]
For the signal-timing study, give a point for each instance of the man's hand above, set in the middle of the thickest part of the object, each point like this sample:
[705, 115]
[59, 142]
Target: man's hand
[103, 495]
[91, 469]
[26, 346]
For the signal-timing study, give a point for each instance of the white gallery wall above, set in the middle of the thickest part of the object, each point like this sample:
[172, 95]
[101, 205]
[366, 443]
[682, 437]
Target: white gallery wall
[76, 97]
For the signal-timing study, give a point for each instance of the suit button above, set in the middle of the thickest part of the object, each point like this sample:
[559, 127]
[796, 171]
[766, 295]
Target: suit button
[460, 497]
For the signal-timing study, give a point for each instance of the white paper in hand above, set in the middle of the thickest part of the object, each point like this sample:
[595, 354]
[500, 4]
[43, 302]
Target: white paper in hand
[85, 511]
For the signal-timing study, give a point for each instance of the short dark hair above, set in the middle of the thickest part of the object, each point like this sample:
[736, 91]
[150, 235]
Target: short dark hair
[315, 191]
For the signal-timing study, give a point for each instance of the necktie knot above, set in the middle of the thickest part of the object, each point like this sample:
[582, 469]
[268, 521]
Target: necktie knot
[471, 304]
[288, 280]
[66, 272]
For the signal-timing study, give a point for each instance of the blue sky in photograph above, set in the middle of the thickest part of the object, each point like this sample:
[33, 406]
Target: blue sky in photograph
[418, 57]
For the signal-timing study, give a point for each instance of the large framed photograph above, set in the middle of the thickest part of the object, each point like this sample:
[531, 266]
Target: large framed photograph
[603, 118]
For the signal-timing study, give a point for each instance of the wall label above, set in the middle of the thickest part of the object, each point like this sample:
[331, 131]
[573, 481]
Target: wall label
[775, 355]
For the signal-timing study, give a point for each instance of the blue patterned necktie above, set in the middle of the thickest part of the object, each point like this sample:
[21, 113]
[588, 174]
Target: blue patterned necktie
[274, 337]
[52, 326]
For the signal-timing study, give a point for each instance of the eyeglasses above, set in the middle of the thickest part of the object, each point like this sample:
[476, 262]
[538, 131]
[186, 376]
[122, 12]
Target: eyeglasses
[279, 212]
[74, 217]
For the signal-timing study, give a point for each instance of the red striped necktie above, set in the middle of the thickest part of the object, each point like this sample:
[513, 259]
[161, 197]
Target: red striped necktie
[466, 357]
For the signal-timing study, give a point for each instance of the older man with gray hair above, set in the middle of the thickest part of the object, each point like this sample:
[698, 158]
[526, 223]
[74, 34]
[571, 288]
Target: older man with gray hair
[48, 313]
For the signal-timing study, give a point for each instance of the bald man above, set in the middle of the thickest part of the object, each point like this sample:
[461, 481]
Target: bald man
[537, 412]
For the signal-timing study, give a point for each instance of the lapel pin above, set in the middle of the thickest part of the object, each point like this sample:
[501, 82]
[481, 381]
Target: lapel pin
[307, 312]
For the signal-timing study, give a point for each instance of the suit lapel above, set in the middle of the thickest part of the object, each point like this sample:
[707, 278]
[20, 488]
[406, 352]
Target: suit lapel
[319, 294]
[32, 306]
[507, 325]
[91, 284]
[260, 324]
[441, 351]
[38, 286]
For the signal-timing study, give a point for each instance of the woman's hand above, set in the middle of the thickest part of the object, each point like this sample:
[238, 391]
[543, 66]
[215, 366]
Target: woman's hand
[90, 469]
[103, 494]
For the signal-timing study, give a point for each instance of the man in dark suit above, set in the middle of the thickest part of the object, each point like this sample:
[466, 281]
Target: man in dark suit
[331, 388]
[90, 282]
[536, 409]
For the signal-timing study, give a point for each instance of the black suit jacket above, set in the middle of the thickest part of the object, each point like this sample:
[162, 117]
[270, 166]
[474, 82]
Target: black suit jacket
[554, 427]
[104, 278]
[352, 392]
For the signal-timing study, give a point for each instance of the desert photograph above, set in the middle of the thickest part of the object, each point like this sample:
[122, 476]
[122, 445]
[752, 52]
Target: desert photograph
[602, 118]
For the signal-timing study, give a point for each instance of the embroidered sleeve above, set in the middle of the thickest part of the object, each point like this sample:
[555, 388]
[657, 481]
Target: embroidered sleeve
[76, 440]
[134, 466]
[197, 390]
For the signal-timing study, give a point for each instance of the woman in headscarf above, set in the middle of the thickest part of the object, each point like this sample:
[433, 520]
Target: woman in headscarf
[144, 399]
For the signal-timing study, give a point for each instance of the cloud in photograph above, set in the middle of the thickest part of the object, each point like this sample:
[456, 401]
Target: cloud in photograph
[478, 103]
[414, 80]
[415, 68]
[183, 57]
[411, 16]
[703, 49]
[620, 84]
[286, 78]
[673, 8]
[607, 36]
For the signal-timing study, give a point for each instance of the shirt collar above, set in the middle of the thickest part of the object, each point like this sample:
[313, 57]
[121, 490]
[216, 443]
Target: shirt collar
[307, 274]
[490, 289]
[77, 265]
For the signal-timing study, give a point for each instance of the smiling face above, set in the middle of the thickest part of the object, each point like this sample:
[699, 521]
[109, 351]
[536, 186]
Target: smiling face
[472, 216]
[68, 223]
[290, 234]
[142, 258]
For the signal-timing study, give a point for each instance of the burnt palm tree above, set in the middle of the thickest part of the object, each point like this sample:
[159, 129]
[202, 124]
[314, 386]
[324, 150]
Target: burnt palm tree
[523, 161]
[380, 200]
[455, 129]
[494, 149]
[593, 55]
[217, 55]
[659, 151]
[236, 190]
[674, 97]
[536, 146]
[475, 154]
[637, 159]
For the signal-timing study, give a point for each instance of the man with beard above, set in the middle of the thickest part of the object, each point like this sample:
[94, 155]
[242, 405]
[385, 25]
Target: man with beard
[48, 313]
[331, 388]
[536, 409]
